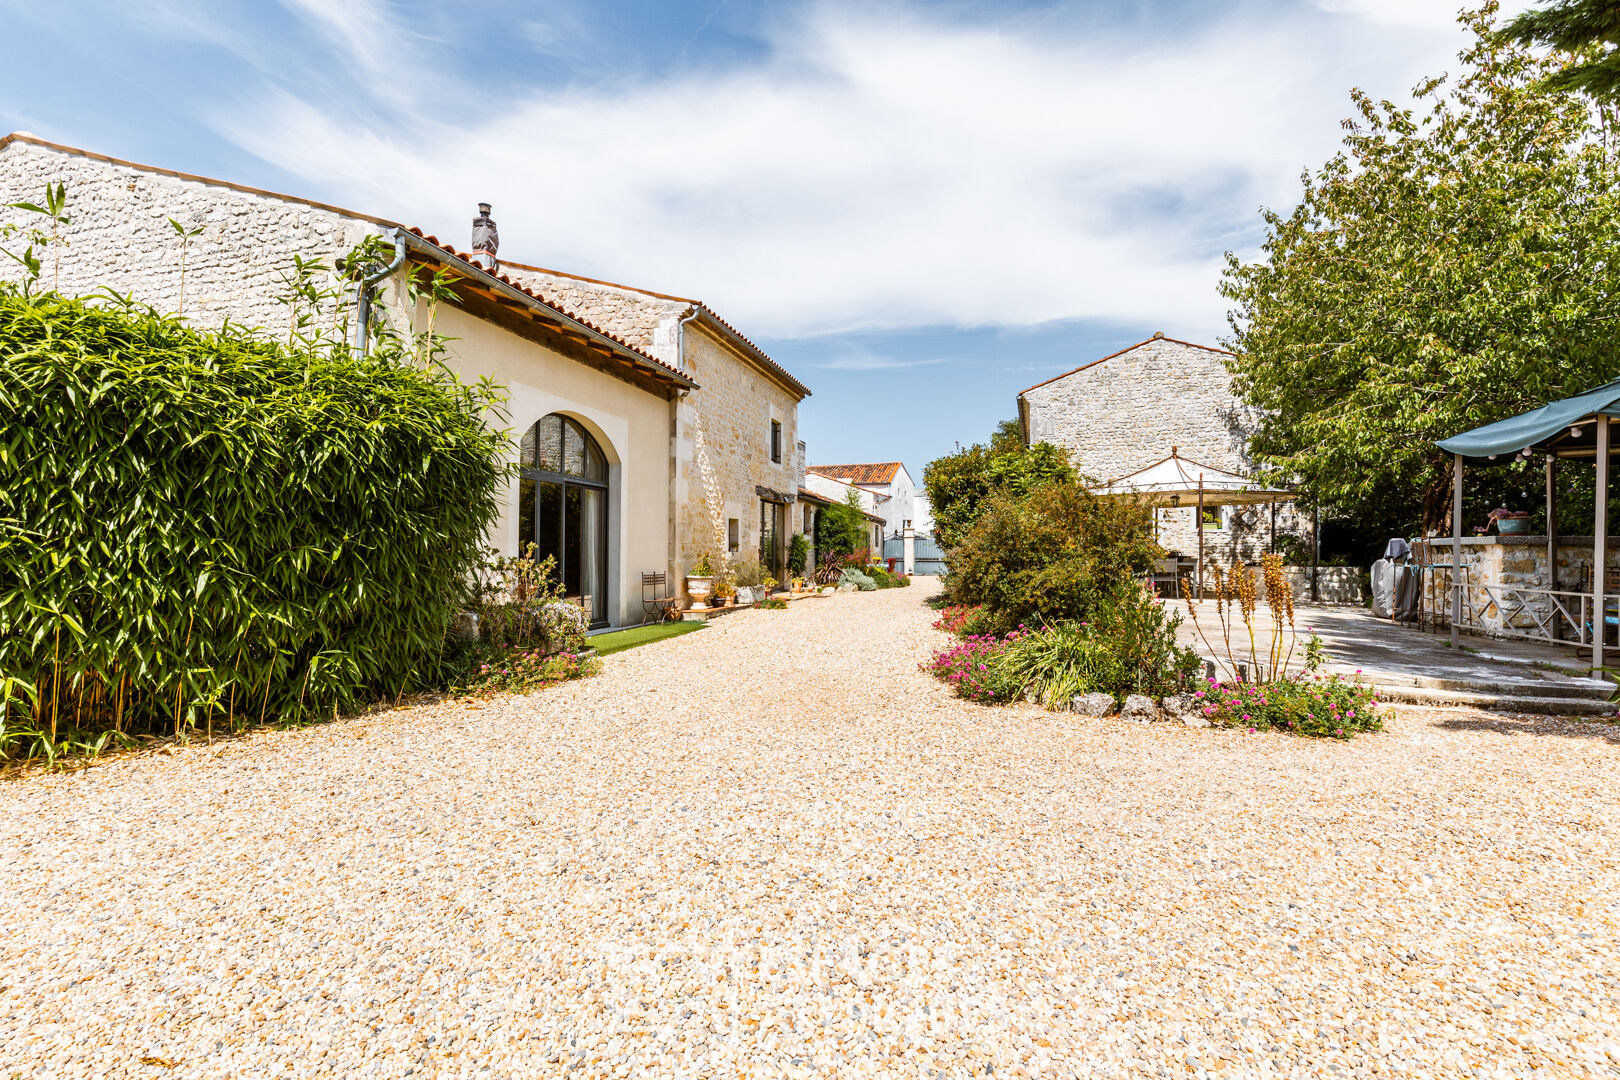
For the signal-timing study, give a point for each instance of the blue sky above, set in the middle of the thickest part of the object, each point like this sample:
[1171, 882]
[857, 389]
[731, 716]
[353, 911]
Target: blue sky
[920, 209]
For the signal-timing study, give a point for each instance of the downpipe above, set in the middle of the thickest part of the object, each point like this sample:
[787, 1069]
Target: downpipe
[362, 302]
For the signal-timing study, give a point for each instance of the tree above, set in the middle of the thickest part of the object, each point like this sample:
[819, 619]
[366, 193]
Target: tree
[1439, 273]
[841, 528]
[1589, 28]
[958, 484]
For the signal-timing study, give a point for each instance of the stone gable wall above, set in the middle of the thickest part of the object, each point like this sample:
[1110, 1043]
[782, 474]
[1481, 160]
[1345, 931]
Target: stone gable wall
[1127, 412]
[735, 404]
[647, 322]
[120, 237]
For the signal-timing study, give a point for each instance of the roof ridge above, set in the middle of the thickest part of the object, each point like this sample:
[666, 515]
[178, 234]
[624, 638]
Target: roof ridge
[28, 137]
[1122, 352]
[598, 281]
[467, 257]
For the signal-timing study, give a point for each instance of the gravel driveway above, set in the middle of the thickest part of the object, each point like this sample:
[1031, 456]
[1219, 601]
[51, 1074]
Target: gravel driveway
[775, 848]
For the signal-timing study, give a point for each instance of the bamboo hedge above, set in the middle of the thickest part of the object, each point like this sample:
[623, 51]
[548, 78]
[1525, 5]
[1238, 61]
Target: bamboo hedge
[206, 527]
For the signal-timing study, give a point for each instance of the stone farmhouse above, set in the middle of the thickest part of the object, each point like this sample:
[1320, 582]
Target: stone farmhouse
[1134, 408]
[650, 431]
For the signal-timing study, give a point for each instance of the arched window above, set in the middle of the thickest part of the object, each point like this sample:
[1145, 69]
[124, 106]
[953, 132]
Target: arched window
[563, 507]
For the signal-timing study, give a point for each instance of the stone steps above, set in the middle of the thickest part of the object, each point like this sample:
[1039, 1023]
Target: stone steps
[1539, 704]
[1507, 684]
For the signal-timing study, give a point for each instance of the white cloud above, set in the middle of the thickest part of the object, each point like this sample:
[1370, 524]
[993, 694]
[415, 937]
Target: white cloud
[876, 362]
[889, 167]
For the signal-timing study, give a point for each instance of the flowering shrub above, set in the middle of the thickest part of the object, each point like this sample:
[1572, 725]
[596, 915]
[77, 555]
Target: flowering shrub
[508, 670]
[974, 670]
[1302, 705]
[954, 618]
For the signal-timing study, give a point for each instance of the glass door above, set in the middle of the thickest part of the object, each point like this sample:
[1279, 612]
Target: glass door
[562, 509]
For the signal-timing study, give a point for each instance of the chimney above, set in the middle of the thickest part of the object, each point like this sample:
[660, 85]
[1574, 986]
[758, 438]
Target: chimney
[485, 240]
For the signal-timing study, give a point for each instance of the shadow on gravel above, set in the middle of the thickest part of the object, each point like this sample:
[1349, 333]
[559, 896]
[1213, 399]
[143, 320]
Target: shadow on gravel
[1537, 725]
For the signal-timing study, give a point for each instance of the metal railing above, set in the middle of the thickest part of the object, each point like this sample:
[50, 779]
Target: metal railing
[1497, 609]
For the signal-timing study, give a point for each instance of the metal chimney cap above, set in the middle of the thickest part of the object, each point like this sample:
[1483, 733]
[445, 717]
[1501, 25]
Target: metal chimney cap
[483, 211]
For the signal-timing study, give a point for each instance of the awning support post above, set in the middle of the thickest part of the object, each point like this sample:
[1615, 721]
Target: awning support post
[1552, 546]
[1600, 544]
[1456, 548]
[1200, 536]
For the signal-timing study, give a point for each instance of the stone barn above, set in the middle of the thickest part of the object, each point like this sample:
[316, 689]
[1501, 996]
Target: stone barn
[1134, 408]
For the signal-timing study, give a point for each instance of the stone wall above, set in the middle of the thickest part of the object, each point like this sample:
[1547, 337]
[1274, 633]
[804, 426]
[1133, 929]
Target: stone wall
[120, 237]
[1128, 412]
[1508, 563]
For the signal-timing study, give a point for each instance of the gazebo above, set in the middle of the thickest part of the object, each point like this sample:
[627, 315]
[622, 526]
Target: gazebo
[1175, 479]
[1576, 427]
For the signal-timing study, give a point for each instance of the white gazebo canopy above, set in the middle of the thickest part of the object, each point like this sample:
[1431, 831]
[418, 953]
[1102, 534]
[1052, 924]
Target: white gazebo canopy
[1176, 478]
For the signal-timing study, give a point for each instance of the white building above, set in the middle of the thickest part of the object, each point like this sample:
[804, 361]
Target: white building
[896, 499]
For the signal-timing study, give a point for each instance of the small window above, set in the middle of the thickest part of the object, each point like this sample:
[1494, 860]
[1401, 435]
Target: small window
[1212, 517]
[732, 534]
[776, 441]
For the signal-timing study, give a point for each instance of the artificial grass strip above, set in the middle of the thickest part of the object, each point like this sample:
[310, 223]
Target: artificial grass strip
[620, 640]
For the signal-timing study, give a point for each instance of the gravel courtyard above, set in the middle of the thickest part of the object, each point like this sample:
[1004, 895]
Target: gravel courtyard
[776, 848]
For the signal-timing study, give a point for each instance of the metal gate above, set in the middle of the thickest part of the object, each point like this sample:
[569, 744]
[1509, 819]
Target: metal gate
[927, 558]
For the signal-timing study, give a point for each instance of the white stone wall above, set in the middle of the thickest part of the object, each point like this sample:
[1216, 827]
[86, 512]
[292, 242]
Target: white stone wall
[120, 237]
[1130, 410]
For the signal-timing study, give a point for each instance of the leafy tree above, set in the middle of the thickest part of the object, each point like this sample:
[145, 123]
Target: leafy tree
[1439, 273]
[841, 528]
[1590, 28]
[958, 484]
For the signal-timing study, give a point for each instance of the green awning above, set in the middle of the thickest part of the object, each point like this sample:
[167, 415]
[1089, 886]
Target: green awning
[1545, 427]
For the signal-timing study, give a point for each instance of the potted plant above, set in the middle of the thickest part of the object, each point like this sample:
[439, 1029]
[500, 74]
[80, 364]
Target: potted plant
[748, 574]
[724, 592]
[700, 582]
[1509, 522]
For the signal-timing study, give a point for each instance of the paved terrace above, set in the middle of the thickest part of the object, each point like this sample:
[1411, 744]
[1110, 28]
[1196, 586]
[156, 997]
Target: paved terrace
[775, 848]
[1416, 667]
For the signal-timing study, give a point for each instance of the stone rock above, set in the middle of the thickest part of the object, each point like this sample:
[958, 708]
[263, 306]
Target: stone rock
[1180, 705]
[1195, 721]
[849, 586]
[1140, 708]
[1093, 704]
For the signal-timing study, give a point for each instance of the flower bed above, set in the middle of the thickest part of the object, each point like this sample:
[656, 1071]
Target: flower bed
[512, 670]
[1325, 706]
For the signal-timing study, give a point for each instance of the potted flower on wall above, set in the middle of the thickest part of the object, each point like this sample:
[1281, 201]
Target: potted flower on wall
[700, 582]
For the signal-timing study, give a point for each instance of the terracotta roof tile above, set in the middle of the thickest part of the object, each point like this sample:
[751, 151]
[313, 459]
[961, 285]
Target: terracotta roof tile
[525, 290]
[882, 472]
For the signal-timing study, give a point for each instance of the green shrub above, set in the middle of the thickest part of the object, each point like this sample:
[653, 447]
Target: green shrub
[1128, 648]
[519, 603]
[1050, 556]
[202, 526]
[852, 576]
[748, 573]
[798, 554]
